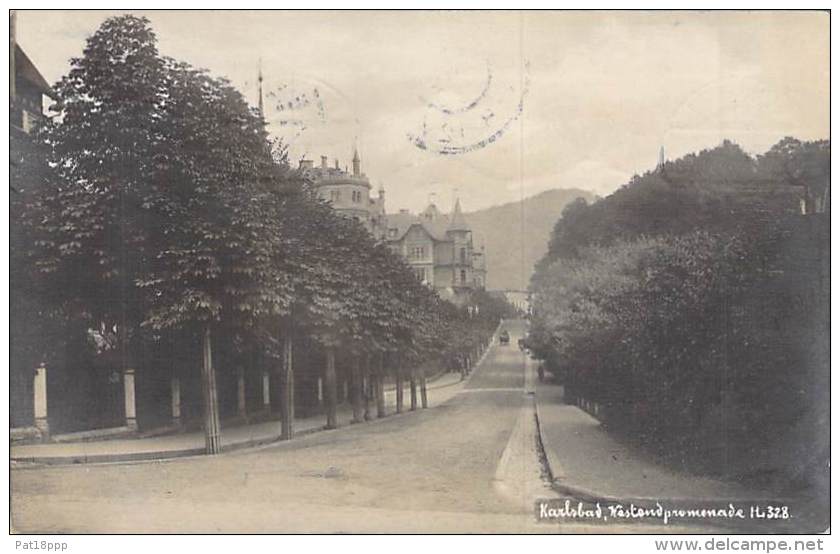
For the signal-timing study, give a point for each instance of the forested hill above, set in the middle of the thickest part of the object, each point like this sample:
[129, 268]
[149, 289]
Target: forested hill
[719, 188]
[499, 228]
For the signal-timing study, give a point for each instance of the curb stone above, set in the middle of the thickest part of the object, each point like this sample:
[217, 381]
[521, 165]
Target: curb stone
[557, 478]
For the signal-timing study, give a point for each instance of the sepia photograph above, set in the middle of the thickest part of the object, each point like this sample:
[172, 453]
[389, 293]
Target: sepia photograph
[320, 271]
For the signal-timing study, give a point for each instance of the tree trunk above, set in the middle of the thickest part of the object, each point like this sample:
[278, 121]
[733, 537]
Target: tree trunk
[424, 401]
[287, 392]
[369, 386]
[330, 394]
[380, 386]
[212, 438]
[413, 384]
[356, 388]
[398, 382]
[241, 408]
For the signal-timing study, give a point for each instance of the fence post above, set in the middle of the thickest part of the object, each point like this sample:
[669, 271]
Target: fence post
[175, 393]
[39, 390]
[129, 399]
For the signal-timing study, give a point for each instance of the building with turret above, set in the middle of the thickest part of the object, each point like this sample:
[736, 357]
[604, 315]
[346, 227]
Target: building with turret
[438, 247]
[348, 193]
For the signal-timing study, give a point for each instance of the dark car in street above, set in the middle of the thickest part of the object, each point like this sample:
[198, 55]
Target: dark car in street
[504, 337]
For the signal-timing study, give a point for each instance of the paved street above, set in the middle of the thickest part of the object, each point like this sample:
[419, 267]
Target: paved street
[469, 464]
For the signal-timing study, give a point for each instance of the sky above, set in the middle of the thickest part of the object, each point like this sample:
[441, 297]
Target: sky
[493, 106]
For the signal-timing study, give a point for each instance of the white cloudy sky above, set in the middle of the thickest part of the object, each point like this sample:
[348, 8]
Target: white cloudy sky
[602, 90]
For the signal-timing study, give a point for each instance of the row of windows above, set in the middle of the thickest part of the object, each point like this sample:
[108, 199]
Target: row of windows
[356, 196]
[422, 274]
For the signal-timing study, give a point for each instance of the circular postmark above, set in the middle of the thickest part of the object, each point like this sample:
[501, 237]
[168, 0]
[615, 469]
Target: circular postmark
[457, 123]
[305, 112]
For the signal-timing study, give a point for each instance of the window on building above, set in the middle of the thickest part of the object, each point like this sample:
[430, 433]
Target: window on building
[463, 277]
[420, 273]
[463, 255]
[418, 253]
[335, 195]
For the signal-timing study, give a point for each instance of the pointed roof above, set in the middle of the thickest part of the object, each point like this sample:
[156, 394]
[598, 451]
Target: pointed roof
[260, 81]
[356, 155]
[458, 222]
[25, 69]
[402, 222]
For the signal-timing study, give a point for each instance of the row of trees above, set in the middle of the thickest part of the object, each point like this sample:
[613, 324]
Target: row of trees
[158, 205]
[694, 311]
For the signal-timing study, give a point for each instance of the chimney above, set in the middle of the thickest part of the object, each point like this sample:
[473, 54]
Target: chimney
[336, 165]
[323, 162]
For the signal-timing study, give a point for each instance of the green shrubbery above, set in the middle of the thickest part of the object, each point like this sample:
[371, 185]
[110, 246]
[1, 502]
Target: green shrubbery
[707, 342]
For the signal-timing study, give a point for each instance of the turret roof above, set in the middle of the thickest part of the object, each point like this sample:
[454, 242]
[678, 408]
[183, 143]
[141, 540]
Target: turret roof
[458, 222]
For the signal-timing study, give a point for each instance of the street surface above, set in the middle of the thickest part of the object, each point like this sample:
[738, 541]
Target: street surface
[470, 464]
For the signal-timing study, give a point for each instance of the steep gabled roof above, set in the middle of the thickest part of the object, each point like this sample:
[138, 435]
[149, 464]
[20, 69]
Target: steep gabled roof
[27, 71]
[402, 222]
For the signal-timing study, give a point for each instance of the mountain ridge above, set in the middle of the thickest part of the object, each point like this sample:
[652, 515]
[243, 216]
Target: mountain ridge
[499, 229]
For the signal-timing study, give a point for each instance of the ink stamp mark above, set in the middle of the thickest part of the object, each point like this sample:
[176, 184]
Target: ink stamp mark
[458, 128]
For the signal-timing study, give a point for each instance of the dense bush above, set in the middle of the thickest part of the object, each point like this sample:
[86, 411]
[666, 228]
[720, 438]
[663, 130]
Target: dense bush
[706, 340]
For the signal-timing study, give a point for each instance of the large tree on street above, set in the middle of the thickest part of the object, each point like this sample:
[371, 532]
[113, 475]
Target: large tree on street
[166, 211]
[91, 237]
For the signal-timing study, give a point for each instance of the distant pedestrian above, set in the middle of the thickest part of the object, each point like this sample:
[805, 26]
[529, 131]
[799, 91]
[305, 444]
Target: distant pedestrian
[541, 372]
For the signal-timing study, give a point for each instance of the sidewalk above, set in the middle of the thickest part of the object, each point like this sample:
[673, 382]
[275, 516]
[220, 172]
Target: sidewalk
[233, 438]
[588, 463]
